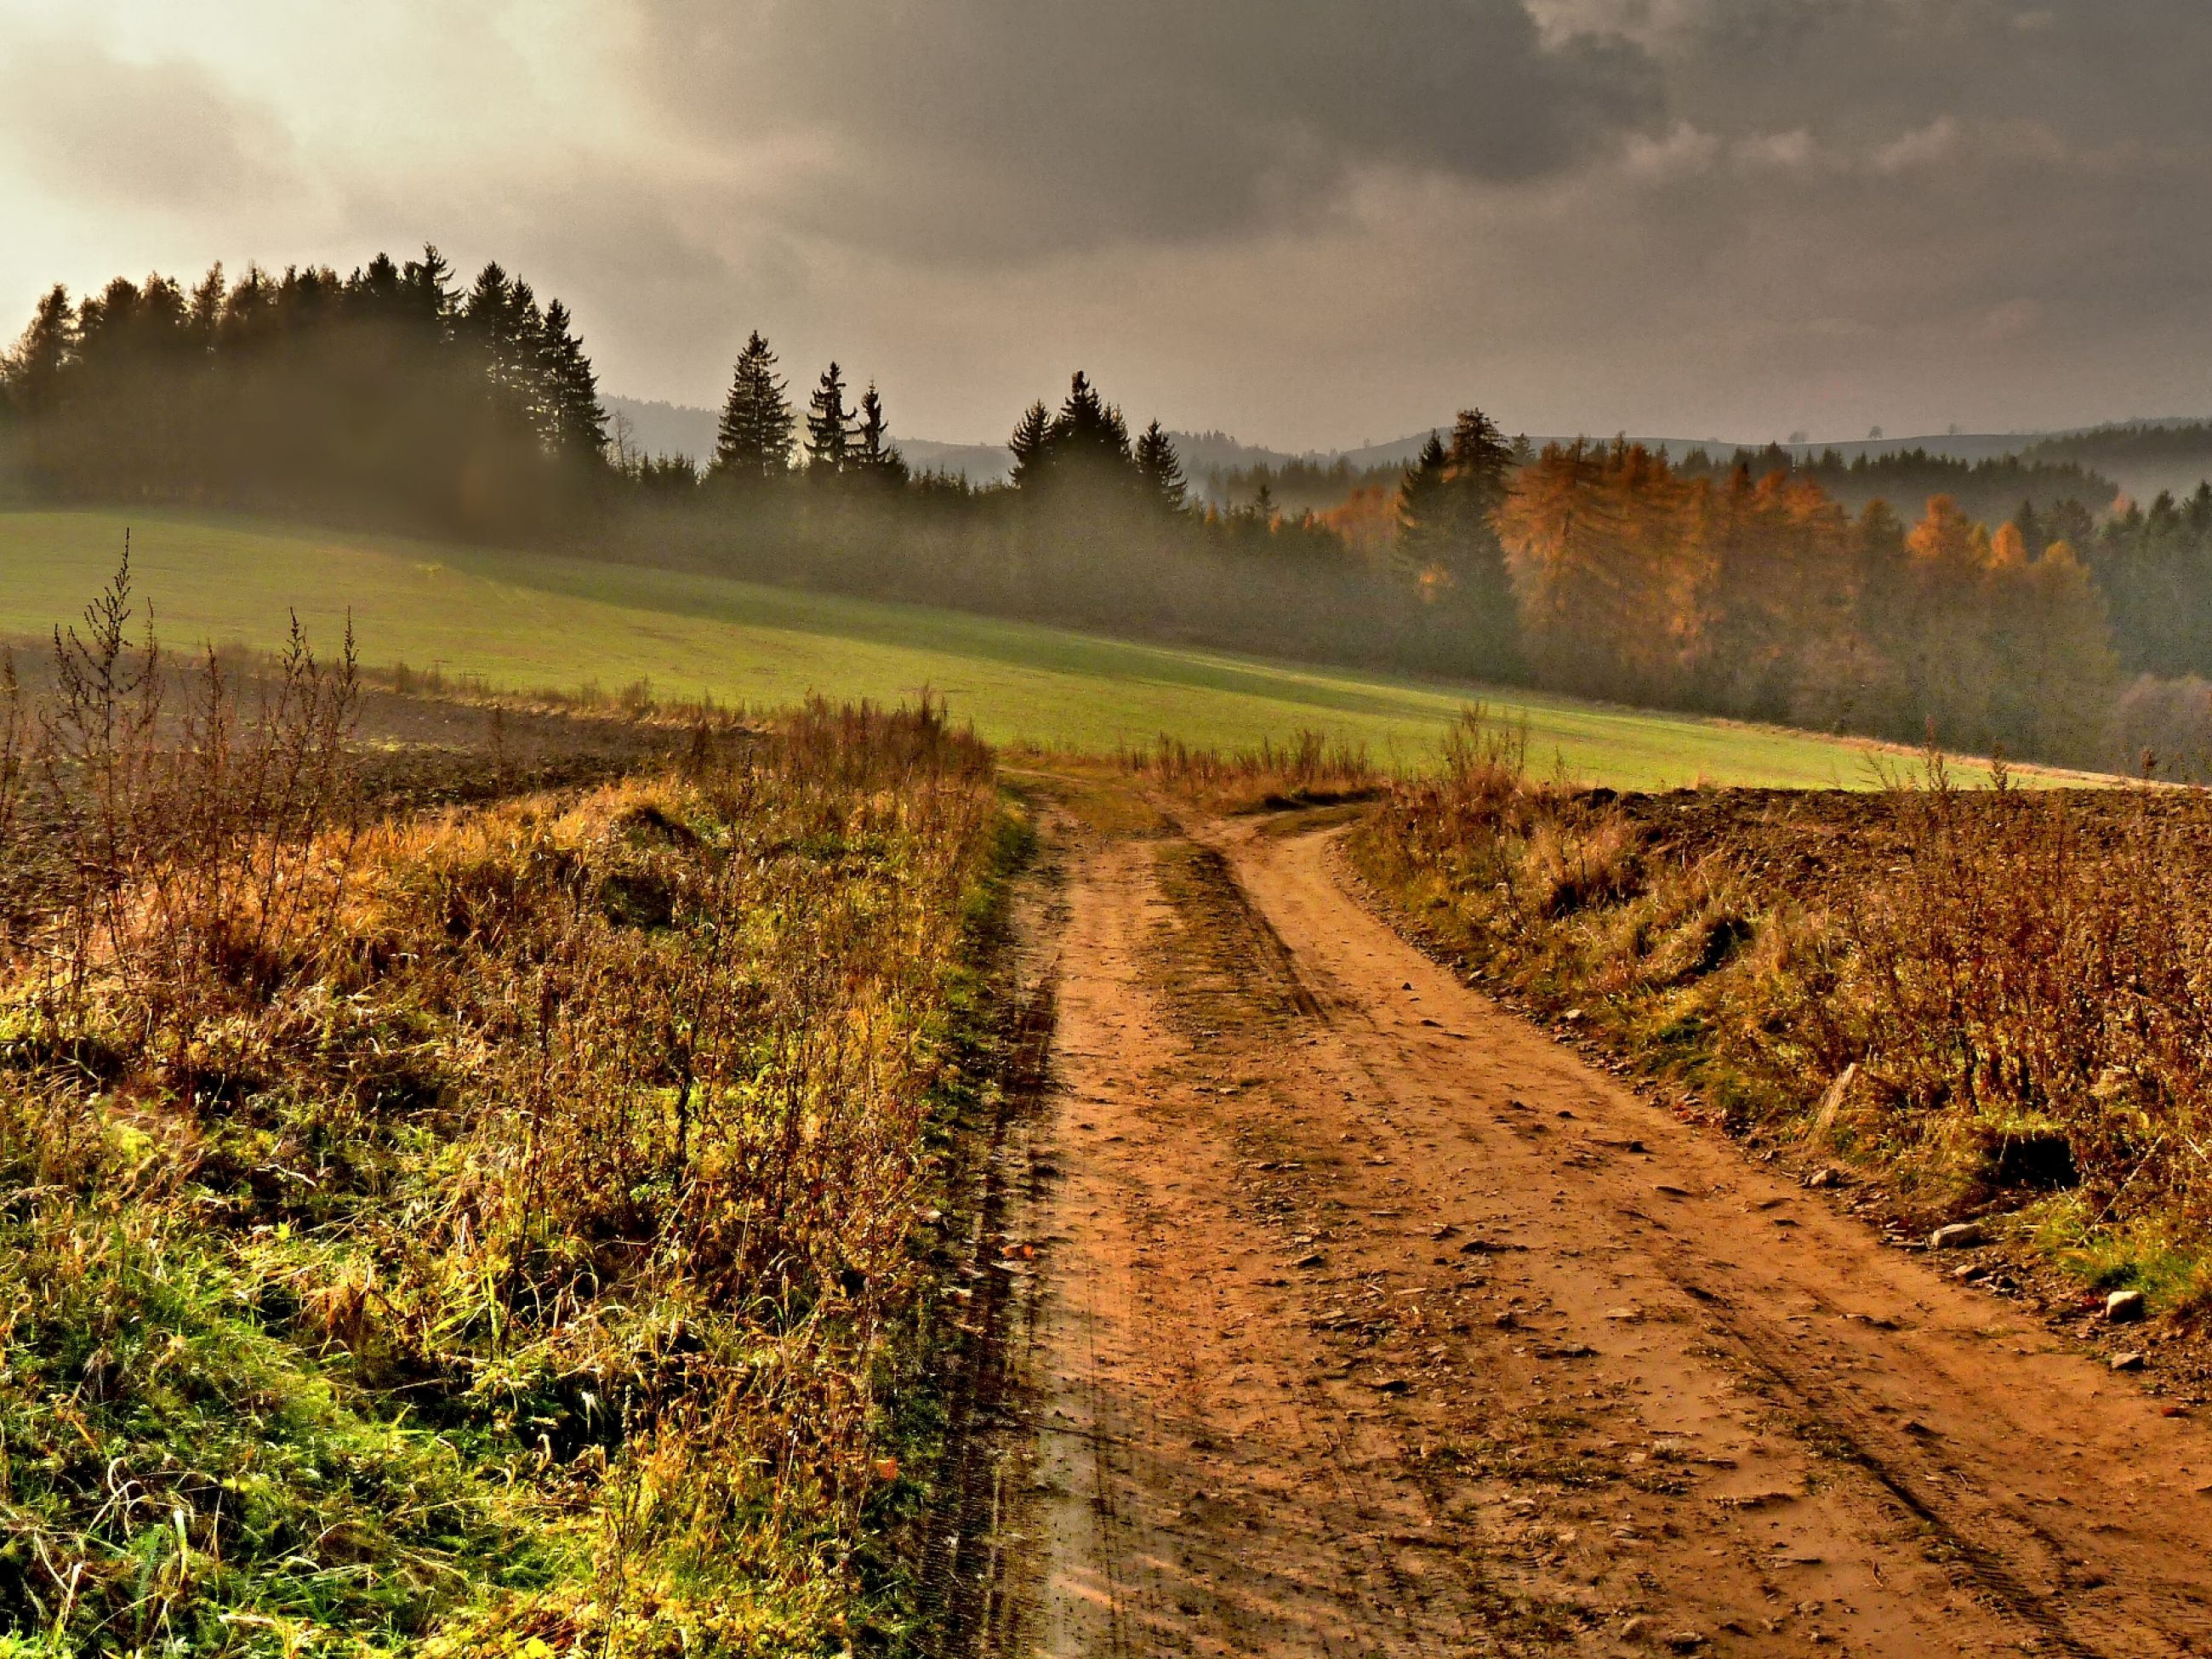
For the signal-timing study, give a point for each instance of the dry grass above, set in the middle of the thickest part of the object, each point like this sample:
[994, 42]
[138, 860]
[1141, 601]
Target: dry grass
[1997, 1002]
[1310, 768]
[490, 1231]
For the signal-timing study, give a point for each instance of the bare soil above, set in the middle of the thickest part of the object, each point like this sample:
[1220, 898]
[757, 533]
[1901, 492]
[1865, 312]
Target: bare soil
[1349, 1314]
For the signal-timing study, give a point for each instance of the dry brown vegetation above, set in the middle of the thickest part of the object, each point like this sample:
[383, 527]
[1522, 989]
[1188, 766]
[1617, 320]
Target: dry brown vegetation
[1997, 1002]
[500, 1228]
[1310, 768]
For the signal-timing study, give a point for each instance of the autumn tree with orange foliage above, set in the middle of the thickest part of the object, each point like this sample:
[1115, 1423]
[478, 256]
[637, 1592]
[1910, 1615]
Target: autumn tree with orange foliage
[1762, 599]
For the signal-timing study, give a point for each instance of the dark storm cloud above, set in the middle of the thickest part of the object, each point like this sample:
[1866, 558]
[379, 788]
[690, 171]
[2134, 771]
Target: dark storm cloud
[2106, 71]
[1015, 126]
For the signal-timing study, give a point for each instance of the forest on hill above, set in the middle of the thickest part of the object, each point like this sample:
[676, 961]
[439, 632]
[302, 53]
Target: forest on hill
[2016, 602]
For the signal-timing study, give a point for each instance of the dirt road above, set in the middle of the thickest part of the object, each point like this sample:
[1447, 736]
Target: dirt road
[1364, 1319]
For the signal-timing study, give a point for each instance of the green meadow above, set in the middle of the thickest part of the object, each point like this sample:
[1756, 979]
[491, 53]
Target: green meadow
[533, 620]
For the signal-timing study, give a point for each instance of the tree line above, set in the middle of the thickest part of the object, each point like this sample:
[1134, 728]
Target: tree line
[389, 392]
[1771, 586]
[1988, 489]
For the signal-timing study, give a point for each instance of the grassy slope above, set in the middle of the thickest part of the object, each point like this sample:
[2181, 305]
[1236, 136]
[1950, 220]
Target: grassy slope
[527, 620]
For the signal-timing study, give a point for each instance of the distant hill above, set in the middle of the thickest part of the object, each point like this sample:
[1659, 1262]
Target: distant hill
[656, 429]
[980, 463]
[2141, 457]
[665, 428]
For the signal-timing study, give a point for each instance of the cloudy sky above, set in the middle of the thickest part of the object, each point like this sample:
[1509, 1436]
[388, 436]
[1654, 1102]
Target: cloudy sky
[1311, 222]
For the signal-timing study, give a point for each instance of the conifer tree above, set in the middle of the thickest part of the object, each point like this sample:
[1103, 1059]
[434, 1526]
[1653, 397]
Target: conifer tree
[877, 458]
[206, 317]
[505, 332]
[1422, 512]
[32, 370]
[1161, 470]
[426, 284]
[830, 434]
[1479, 470]
[753, 444]
[1031, 445]
[1481, 465]
[1088, 433]
[575, 423]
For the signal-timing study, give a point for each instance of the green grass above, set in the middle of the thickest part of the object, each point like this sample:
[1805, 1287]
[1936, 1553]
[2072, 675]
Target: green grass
[529, 621]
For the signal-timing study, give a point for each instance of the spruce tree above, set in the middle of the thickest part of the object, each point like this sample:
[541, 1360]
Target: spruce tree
[830, 434]
[1480, 472]
[426, 284]
[1423, 509]
[878, 458]
[1161, 469]
[504, 331]
[753, 443]
[1089, 431]
[487, 312]
[1481, 465]
[575, 424]
[207, 308]
[32, 371]
[1085, 447]
[1031, 445]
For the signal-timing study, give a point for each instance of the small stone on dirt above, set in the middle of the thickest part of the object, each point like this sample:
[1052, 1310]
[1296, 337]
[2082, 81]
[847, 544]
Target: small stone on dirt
[2127, 1362]
[1311, 1259]
[1684, 1641]
[2125, 1307]
[1959, 1236]
[1825, 1178]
